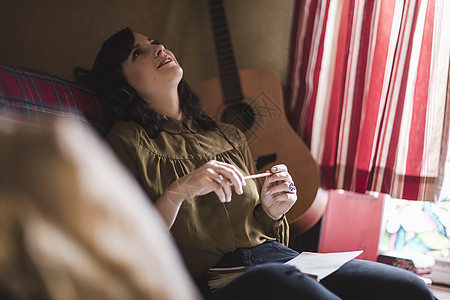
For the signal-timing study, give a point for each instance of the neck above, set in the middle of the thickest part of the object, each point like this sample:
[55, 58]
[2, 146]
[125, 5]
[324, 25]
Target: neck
[168, 104]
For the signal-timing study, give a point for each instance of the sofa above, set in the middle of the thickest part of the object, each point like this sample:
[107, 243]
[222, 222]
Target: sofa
[30, 96]
[74, 224]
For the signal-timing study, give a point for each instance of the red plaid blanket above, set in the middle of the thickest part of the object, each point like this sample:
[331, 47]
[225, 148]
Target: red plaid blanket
[32, 96]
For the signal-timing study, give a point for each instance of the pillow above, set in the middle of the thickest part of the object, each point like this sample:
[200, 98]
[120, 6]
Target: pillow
[74, 224]
[31, 96]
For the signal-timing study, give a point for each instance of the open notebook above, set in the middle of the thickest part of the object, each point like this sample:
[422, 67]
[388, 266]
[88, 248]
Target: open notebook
[316, 265]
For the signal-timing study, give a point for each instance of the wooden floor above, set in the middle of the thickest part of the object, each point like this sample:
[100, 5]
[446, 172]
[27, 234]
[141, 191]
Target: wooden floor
[441, 292]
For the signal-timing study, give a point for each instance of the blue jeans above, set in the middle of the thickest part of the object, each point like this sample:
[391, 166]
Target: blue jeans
[272, 279]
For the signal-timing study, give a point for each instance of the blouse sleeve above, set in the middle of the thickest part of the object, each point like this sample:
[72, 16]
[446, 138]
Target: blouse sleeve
[124, 140]
[278, 229]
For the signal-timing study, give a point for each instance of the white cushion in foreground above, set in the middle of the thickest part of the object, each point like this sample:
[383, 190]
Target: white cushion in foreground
[74, 224]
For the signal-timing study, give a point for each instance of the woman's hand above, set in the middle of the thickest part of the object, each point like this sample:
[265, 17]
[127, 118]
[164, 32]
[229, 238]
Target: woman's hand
[214, 176]
[278, 192]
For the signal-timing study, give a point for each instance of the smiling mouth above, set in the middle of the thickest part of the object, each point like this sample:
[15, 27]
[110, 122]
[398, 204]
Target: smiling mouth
[164, 61]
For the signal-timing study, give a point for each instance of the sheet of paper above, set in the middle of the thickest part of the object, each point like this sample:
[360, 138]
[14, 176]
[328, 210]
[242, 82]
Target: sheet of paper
[322, 264]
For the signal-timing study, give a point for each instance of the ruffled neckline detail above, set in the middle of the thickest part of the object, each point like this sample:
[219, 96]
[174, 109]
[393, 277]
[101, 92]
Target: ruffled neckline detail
[175, 126]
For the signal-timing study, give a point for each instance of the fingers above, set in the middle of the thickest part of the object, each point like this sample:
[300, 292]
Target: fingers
[221, 186]
[222, 177]
[280, 181]
[281, 187]
[230, 173]
[287, 198]
[280, 173]
[279, 193]
[279, 168]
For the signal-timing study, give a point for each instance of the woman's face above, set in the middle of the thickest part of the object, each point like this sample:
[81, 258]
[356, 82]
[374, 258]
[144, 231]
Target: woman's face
[150, 68]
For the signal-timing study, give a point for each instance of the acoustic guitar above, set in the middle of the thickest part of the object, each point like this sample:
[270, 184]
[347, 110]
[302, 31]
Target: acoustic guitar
[252, 100]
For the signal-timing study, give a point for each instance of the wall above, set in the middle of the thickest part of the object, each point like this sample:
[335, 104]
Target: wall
[55, 36]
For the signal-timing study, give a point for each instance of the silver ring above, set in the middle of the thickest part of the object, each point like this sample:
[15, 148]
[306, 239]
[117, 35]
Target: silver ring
[292, 187]
[218, 179]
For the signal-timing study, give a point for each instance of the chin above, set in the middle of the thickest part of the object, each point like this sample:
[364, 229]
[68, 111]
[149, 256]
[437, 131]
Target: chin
[180, 74]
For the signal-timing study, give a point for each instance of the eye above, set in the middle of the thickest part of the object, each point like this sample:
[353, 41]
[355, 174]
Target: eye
[135, 54]
[154, 42]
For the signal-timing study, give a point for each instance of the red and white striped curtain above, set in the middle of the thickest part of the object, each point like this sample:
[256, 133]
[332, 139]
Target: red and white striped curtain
[368, 91]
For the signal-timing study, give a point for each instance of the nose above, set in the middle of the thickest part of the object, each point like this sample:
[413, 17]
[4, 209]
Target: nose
[159, 50]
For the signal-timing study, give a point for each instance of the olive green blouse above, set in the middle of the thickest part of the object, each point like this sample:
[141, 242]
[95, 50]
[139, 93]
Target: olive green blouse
[205, 229]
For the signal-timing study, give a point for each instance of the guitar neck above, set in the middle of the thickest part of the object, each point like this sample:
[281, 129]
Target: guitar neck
[229, 74]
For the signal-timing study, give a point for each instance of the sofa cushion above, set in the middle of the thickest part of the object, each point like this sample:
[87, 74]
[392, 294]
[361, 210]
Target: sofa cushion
[31, 96]
[75, 224]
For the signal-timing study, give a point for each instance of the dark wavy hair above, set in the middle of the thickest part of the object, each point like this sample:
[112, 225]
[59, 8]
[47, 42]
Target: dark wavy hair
[121, 101]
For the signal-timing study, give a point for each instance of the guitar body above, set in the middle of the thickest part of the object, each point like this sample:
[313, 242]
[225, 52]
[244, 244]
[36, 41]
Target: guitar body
[261, 116]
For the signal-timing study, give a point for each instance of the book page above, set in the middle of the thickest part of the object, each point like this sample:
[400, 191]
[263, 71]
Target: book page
[320, 265]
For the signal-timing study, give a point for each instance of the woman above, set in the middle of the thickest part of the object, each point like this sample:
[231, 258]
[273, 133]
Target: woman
[193, 169]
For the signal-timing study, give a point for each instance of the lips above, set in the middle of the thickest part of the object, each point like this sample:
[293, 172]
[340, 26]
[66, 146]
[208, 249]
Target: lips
[167, 59]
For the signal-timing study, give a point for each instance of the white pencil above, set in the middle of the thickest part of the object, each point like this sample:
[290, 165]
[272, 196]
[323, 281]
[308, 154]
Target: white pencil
[268, 173]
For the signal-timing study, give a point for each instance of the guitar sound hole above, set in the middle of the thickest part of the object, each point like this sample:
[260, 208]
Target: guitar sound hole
[240, 115]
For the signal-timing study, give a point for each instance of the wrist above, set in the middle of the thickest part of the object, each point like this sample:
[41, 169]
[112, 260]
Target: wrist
[264, 218]
[275, 218]
[270, 215]
[174, 196]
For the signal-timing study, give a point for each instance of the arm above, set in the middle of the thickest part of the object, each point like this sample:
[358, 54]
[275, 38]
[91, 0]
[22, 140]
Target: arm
[275, 226]
[125, 142]
[278, 193]
[214, 176]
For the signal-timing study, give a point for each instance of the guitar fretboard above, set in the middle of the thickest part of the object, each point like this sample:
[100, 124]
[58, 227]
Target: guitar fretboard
[229, 74]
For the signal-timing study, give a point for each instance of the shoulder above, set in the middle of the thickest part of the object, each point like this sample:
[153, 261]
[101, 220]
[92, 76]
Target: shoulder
[231, 131]
[125, 127]
[127, 132]
[235, 135]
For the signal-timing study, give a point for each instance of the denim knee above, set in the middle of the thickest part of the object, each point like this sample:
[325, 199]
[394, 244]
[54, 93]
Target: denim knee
[274, 281]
